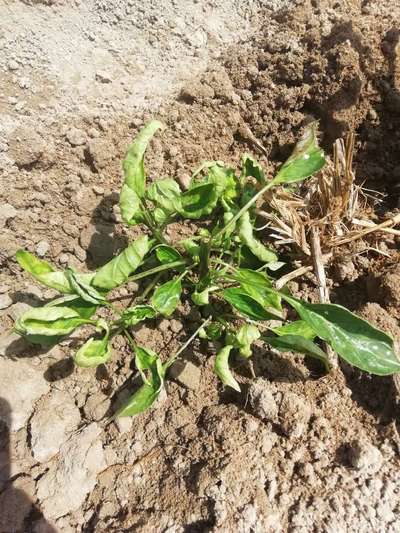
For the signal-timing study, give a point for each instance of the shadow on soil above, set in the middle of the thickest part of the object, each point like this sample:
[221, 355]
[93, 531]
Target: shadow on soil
[18, 511]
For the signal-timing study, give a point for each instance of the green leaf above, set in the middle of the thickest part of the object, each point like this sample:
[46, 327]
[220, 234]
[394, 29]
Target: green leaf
[166, 297]
[145, 396]
[221, 368]
[145, 359]
[166, 195]
[191, 248]
[354, 339]
[83, 289]
[306, 159]
[245, 232]
[246, 305]
[166, 254]
[259, 286]
[245, 337]
[296, 343]
[118, 270]
[49, 321]
[43, 272]
[72, 301]
[250, 167]
[198, 201]
[134, 315]
[134, 173]
[298, 327]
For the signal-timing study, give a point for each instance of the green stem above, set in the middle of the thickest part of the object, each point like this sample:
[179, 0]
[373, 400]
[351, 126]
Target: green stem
[157, 269]
[244, 209]
[172, 359]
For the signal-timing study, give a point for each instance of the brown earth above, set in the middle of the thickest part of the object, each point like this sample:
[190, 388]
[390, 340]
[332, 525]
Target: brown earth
[299, 450]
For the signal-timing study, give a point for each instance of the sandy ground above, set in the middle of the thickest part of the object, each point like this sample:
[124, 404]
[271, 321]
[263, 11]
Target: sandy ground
[299, 450]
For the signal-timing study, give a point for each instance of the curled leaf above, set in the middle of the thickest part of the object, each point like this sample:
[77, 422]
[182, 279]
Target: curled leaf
[94, 352]
[135, 178]
[245, 337]
[165, 194]
[118, 270]
[43, 272]
[166, 254]
[75, 302]
[245, 230]
[221, 368]
[84, 289]
[134, 315]
[49, 321]
[250, 167]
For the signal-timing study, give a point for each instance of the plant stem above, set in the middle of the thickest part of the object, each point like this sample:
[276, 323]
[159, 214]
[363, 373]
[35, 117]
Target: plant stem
[172, 359]
[244, 209]
[157, 269]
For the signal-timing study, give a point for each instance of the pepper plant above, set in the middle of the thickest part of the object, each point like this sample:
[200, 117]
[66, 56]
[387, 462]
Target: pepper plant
[223, 269]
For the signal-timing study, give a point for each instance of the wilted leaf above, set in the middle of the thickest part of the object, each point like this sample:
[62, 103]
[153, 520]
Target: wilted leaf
[245, 232]
[201, 298]
[298, 327]
[246, 305]
[354, 339]
[43, 272]
[165, 194]
[83, 289]
[221, 368]
[167, 296]
[118, 270]
[135, 177]
[296, 343]
[72, 301]
[250, 167]
[95, 351]
[49, 321]
[306, 159]
[245, 337]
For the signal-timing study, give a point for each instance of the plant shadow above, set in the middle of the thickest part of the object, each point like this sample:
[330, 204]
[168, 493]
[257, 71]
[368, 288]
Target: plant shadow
[105, 241]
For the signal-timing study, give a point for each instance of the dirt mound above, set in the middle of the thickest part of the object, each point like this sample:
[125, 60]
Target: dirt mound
[301, 451]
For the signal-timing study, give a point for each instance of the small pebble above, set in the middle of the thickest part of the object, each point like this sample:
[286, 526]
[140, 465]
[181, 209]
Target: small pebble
[98, 190]
[5, 301]
[42, 248]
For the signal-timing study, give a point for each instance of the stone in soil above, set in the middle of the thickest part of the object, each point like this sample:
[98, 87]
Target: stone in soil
[76, 137]
[55, 417]
[72, 474]
[5, 301]
[365, 456]
[21, 386]
[262, 400]
[294, 414]
[7, 211]
[186, 373]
